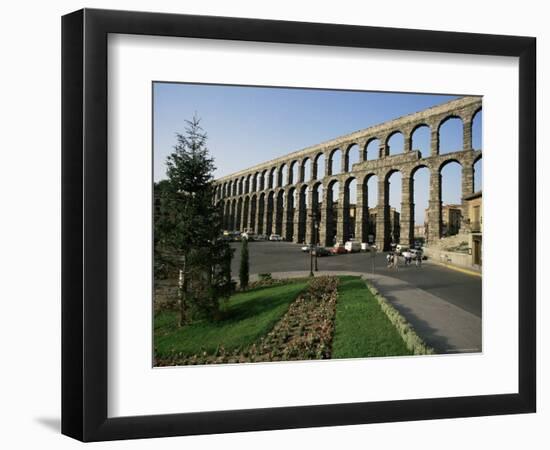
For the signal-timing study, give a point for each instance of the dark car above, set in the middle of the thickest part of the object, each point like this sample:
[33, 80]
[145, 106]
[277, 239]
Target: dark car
[321, 251]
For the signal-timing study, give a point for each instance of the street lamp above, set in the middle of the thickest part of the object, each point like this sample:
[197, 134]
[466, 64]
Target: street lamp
[316, 226]
[373, 256]
[313, 244]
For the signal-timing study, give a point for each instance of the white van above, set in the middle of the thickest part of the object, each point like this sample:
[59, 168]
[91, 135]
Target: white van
[352, 246]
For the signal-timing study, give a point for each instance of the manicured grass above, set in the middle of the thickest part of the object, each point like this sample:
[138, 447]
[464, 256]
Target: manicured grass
[249, 316]
[361, 328]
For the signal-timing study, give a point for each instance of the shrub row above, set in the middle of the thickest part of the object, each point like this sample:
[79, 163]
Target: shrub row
[413, 342]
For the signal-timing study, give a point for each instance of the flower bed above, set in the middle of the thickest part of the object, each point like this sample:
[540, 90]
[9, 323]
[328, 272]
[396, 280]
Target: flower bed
[304, 332]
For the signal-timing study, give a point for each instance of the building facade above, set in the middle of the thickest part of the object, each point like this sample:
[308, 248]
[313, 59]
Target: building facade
[474, 205]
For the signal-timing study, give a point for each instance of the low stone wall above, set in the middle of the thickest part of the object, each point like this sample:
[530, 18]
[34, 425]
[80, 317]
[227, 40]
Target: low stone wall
[445, 257]
[165, 293]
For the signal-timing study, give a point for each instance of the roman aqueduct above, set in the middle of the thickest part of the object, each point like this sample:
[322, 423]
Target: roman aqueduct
[289, 196]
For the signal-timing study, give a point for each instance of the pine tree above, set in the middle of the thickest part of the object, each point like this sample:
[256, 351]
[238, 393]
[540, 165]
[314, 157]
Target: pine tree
[189, 227]
[244, 267]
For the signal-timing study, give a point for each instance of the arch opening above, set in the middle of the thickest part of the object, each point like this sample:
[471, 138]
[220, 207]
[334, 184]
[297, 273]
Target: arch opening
[396, 143]
[420, 198]
[320, 166]
[477, 123]
[451, 198]
[478, 175]
[451, 135]
[305, 176]
[421, 140]
[353, 156]
[335, 162]
[373, 149]
[393, 184]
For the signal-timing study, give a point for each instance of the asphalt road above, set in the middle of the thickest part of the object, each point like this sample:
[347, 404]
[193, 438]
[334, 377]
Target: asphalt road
[458, 288]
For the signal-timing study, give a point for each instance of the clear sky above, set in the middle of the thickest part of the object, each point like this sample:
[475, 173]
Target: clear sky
[251, 125]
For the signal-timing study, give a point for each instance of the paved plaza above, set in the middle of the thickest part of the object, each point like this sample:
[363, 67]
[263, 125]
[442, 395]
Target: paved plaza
[443, 305]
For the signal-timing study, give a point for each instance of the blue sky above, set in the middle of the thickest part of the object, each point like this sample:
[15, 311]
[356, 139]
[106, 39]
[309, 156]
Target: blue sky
[250, 125]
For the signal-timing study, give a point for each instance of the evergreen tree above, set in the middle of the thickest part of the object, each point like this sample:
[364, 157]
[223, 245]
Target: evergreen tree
[189, 227]
[244, 267]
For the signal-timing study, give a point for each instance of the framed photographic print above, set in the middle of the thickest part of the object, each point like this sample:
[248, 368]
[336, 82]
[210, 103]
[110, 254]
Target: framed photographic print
[273, 224]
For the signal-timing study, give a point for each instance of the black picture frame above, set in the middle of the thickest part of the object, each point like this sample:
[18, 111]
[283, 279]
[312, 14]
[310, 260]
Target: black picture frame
[84, 224]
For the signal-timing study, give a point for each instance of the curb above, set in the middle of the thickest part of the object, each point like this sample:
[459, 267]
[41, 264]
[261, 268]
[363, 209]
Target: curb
[411, 339]
[459, 269]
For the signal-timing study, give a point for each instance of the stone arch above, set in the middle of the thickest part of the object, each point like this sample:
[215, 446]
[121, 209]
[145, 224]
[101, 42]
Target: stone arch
[395, 143]
[352, 156]
[332, 210]
[372, 149]
[238, 215]
[246, 217]
[478, 173]
[271, 182]
[420, 194]
[253, 223]
[226, 214]
[393, 196]
[450, 196]
[334, 161]
[370, 206]
[261, 213]
[289, 211]
[264, 180]
[293, 172]
[450, 134]
[270, 213]
[305, 170]
[319, 165]
[302, 212]
[279, 208]
[281, 178]
[349, 208]
[477, 124]
[420, 139]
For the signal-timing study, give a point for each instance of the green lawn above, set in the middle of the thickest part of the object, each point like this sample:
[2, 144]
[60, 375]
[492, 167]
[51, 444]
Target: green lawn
[249, 316]
[361, 328]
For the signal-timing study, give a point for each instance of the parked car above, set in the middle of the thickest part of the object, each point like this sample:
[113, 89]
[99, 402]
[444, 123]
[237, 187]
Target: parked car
[321, 251]
[338, 249]
[307, 247]
[275, 237]
[261, 237]
[352, 246]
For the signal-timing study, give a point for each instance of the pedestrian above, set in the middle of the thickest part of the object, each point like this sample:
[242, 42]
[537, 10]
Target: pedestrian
[389, 260]
[418, 259]
[408, 257]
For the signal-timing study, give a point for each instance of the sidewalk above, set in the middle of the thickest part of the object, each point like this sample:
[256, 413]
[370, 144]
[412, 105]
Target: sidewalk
[443, 326]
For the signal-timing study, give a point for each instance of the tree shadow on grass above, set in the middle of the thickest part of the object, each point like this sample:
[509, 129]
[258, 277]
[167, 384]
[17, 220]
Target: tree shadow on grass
[258, 306]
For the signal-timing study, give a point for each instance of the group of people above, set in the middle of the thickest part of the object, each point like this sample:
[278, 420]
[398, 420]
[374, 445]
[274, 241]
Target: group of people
[408, 257]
